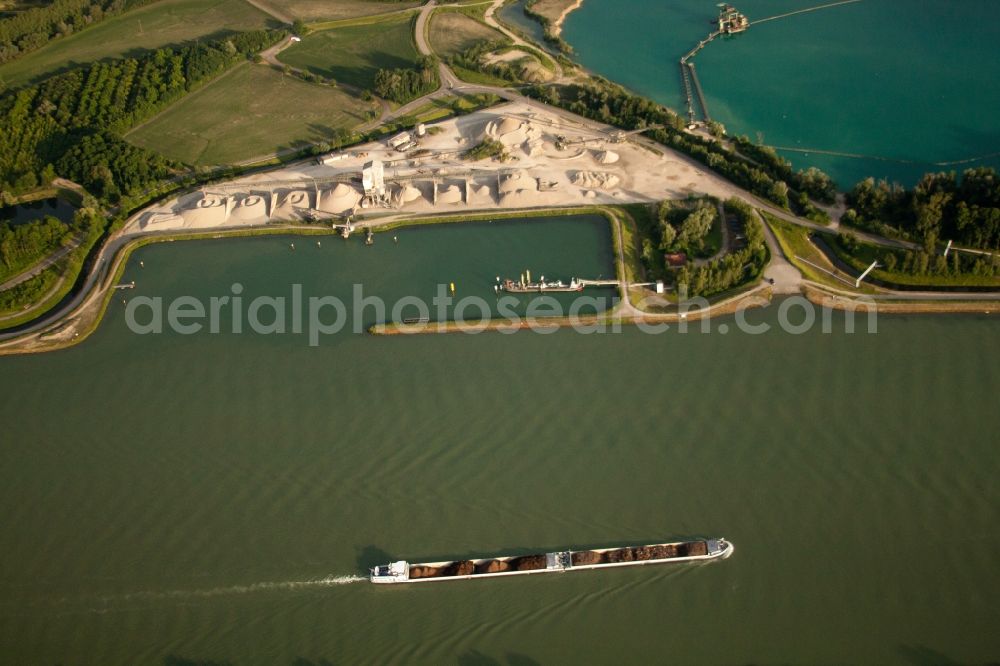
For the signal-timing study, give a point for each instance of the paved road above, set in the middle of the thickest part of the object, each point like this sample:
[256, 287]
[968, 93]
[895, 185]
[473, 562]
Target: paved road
[448, 78]
[42, 265]
[87, 292]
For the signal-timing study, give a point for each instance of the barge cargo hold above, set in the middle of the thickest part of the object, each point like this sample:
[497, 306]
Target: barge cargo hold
[561, 561]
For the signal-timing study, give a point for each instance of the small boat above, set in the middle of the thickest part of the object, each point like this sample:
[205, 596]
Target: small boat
[560, 561]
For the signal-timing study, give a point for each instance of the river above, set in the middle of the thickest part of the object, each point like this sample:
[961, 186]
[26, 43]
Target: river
[912, 82]
[213, 498]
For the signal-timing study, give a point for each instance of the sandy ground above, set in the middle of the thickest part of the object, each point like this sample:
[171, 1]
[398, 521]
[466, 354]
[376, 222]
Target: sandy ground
[591, 168]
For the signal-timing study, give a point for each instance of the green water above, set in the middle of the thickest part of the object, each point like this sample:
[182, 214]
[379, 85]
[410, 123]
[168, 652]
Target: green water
[173, 499]
[910, 80]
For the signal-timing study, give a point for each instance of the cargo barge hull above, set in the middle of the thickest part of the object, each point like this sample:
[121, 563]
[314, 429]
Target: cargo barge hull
[560, 561]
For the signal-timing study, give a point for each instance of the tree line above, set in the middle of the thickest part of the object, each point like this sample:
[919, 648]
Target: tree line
[610, 103]
[941, 207]
[33, 28]
[404, 84]
[71, 123]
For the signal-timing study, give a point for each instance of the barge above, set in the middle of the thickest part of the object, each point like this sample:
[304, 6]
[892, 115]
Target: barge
[561, 561]
[523, 287]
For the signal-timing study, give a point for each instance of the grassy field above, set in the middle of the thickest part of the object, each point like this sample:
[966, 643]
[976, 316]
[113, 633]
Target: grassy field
[453, 32]
[355, 53]
[251, 111]
[150, 27]
[327, 10]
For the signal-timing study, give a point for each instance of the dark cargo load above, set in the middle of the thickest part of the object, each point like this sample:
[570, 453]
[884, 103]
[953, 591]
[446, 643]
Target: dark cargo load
[527, 563]
[459, 568]
[424, 572]
[655, 552]
[587, 557]
[492, 566]
[692, 549]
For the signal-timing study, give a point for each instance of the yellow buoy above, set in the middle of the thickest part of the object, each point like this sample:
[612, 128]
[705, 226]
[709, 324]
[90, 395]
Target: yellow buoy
[452, 287]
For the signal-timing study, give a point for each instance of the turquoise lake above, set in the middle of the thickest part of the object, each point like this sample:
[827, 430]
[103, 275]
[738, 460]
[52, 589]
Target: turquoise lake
[912, 81]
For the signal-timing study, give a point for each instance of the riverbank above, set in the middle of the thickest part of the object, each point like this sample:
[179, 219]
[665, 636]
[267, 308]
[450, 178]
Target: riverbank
[84, 319]
[551, 14]
[77, 325]
[824, 298]
[611, 321]
[557, 25]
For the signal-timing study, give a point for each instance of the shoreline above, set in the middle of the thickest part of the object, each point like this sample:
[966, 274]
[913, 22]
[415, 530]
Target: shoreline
[557, 25]
[81, 322]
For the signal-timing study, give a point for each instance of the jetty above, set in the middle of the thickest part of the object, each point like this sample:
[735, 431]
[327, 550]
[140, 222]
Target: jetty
[729, 22]
[692, 86]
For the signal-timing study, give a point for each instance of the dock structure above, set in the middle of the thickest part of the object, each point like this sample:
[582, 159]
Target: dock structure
[701, 93]
[730, 22]
[686, 78]
[692, 86]
[597, 283]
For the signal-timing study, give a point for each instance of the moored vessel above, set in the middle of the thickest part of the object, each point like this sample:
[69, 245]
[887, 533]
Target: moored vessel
[523, 287]
[560, 561]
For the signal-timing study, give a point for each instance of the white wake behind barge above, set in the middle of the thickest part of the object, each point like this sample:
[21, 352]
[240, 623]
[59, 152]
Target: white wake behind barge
[561, 561]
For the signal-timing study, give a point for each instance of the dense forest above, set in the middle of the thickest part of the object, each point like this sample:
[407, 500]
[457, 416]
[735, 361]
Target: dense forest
[22, 244]
[71, 121]
[683, 229]
[733, 269]
[404, 84]
[35, 27]
[941, 207]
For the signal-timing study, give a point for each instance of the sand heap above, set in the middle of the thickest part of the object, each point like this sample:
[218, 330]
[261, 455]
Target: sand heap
[595, 180]
[408, 194]
[508, 131]
[520, 190]
[501, 127]
[343, 198]
[292, 204]
[296, 199]
[450, 195]
[519, 180]
[251, 209]
[607, 157]
[479, 194]
[209, 211]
